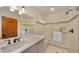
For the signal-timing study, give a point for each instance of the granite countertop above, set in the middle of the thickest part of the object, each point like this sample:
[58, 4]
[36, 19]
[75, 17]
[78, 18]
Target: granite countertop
[25, 43]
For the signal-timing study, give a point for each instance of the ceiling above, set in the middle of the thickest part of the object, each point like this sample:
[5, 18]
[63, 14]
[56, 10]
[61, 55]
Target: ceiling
[47, 9]
[59, 14]
[49, 18]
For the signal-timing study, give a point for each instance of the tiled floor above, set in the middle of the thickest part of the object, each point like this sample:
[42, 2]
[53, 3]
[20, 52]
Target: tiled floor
[54, 49]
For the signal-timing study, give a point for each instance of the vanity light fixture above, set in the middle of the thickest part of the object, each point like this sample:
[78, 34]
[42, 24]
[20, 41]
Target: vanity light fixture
[23, 9]
[12, 9]
[20, 12]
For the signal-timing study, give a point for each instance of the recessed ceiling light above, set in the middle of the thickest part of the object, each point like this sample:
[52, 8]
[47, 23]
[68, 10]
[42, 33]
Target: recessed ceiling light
[52, 9]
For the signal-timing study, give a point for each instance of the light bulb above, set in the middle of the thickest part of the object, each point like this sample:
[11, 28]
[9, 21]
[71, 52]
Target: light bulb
[52, 9]
[15, 7]
[12, 9]
[23, 10]
[20, 12]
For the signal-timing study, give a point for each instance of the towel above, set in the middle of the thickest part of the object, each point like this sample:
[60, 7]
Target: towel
[57, 36]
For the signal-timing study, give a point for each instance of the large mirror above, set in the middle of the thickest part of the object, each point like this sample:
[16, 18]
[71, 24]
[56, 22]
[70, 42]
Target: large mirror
[9, 27]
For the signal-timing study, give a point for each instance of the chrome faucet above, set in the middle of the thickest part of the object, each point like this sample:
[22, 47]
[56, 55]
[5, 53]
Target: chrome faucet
[9, 42]
[16, 39]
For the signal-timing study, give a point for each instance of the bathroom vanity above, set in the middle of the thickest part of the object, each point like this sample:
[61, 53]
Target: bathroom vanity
[36, 48]
[32, 43]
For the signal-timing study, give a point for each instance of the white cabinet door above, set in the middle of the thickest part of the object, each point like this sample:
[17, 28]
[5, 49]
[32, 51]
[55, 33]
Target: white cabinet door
[32, 49]
[40, 46]
[36, 48]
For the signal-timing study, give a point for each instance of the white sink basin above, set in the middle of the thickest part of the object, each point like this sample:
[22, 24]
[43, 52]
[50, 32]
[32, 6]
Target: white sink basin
[13, 47]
